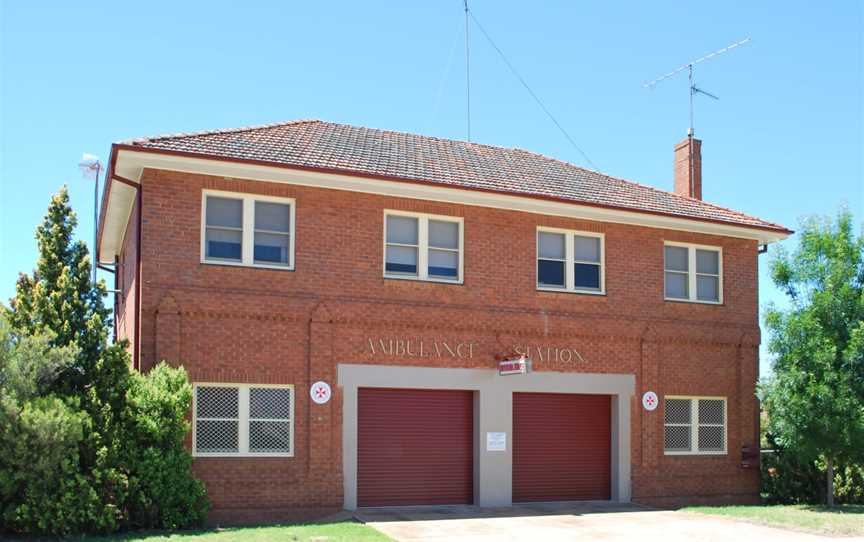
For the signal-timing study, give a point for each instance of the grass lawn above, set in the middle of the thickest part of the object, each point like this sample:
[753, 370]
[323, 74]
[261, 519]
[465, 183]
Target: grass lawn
[840, 520]
[325, 532]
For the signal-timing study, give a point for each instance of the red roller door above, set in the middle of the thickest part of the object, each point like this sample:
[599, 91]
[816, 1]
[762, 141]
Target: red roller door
[561, 447]
[415, 447]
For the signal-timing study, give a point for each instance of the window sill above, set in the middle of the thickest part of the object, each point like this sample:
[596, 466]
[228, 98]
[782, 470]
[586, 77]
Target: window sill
[694, 301]
[418, 279]
[565, 291]
[251, 266]
[694, 454]
[241, 456]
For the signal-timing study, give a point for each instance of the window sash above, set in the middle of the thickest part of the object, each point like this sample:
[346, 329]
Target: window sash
[244, 421]
[207, 240]
[424, 249]
[694, 425]
[686, 285]
[258, 261]
[692, 274]
[552, 285]
[248, 230]
[570, 262]
[394, 273]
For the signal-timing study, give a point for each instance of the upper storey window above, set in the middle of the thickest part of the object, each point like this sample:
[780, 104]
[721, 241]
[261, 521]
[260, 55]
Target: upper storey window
[242, 229]
[693, 273]
[570, 261]
[423, 247]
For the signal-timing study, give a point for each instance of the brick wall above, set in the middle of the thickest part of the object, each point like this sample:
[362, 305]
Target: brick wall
[235, 324]
[126, 281]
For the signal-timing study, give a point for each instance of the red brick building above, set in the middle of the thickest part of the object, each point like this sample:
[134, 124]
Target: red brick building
[400, 270]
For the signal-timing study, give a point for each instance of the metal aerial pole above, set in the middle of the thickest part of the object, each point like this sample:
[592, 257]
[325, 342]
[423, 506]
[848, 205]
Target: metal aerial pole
[91, 167]
[467, 71]
[94, 263]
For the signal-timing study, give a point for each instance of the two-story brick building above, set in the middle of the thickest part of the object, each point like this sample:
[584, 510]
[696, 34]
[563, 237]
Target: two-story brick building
[400, 270]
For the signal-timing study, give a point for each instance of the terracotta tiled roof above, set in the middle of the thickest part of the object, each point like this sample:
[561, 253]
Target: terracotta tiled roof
[381, 153]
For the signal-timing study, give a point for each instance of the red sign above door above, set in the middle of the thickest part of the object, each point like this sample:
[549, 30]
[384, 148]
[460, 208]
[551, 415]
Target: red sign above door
[516, 366]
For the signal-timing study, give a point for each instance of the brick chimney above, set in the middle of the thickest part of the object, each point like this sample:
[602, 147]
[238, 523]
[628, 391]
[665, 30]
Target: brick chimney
[688, 168]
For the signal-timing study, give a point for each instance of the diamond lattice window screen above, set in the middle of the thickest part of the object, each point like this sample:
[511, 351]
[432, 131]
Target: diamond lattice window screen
[217, 419]
[694, 425]
[270, 420]
[678, 425]
[712, 425]
[243, 420]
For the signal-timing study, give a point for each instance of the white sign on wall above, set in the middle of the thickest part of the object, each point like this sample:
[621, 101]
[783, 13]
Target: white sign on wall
[320, 392]
[496, 442]
[649, 400]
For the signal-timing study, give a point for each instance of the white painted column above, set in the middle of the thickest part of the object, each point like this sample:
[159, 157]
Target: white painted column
[620, 447]
[493, 480]
[349, 447]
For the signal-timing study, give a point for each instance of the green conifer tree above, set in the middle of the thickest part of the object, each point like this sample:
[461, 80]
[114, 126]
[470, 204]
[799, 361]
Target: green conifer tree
[59, 298]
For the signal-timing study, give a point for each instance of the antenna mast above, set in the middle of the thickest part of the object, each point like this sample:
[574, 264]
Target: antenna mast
[467, 71]
[694, 90]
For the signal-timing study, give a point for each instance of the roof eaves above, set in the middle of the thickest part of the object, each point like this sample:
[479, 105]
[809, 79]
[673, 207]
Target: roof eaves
[763, 225]
[658, 190]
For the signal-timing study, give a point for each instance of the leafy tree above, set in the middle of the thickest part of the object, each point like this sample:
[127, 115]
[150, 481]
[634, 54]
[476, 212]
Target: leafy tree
[815, 399]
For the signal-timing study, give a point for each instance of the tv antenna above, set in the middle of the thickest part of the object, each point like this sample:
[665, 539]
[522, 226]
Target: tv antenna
[694, 90]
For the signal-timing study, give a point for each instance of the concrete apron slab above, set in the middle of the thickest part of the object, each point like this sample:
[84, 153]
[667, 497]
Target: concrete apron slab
[433, 513]
[606, 521]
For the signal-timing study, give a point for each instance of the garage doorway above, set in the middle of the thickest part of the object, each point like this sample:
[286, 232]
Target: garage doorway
[415, 447]
[561, 447]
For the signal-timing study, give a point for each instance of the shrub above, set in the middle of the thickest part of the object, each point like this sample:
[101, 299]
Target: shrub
[162, 492]
[849, 484]
[787, 479]
[145, 481]
[44, 487]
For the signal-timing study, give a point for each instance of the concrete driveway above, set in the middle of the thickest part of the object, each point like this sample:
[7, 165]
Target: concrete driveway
[571, 521]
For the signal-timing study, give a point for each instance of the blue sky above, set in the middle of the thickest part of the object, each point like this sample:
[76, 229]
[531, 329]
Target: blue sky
[784, 141]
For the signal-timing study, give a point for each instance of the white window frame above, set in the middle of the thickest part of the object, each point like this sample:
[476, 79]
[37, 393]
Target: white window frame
[570, 261]
[243, 420]
[694, 425]
[691, 272]
[423, 247]
[248, 230]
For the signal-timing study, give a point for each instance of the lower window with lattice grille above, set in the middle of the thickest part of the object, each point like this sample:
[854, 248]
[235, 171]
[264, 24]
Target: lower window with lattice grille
[694, 425]
[243, 420]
